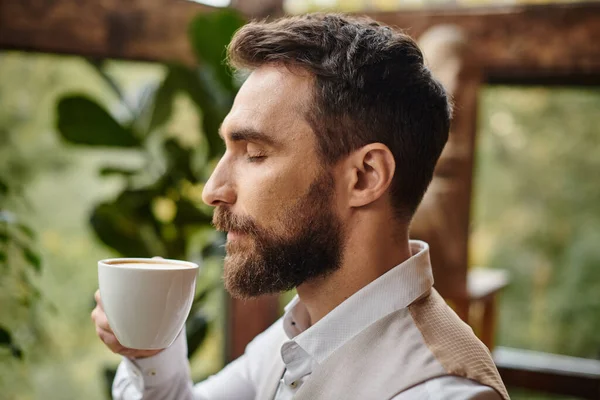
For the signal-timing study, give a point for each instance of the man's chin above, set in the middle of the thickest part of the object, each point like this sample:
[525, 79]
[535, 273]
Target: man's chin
[238, 283]
[237, 294]
[242, 291]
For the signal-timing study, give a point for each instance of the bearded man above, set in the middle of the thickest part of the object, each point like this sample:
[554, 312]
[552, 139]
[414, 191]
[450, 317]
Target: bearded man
[330, 145]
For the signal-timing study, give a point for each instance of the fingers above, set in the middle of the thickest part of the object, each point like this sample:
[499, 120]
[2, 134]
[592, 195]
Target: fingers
[106, 334]
[110, 340]
[99, 318]
[98, 299]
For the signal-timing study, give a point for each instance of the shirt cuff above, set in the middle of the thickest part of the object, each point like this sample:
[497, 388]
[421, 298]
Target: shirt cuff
[153, 371]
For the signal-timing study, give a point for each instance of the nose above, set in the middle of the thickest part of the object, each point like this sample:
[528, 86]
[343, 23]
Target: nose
[219, 189]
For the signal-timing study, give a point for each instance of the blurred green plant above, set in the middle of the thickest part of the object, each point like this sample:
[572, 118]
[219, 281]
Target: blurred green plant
[537, 212]
[20, 258]
[159, 212]
[19, 291]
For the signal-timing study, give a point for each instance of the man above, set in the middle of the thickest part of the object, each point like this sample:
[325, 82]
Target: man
[331, 143]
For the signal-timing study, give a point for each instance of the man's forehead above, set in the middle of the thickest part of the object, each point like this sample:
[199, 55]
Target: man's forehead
[279, 79]
[270, 100]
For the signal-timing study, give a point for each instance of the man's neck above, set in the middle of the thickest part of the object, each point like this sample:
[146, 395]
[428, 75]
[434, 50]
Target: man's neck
[368, 255]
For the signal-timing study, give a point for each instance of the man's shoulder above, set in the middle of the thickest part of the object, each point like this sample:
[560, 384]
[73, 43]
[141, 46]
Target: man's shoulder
[453, 344]
[443, 330]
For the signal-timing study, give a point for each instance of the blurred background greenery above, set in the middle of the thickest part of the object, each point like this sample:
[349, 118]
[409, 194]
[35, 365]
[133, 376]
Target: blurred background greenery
[101, 159]
[64, 197]
[537, 213]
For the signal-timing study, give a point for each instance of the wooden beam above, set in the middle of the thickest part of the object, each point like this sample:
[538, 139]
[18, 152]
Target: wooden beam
[555, 40]
[259, 8]
[153, 30]
[442, 219]
[520, 41]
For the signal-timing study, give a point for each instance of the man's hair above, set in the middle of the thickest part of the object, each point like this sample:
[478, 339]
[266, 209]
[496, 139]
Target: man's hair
[371, 85]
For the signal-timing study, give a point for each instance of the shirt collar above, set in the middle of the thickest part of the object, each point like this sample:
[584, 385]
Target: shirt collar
[395, 289]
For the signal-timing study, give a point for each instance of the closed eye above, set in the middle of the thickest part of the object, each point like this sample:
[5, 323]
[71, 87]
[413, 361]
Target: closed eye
[255, 158]
[254, 152]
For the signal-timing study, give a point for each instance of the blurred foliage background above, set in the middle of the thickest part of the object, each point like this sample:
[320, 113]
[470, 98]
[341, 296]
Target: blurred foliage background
[104, 159]
[537, 214]
[65, 197]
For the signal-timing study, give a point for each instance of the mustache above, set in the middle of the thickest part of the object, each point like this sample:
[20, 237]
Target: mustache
[225, 220]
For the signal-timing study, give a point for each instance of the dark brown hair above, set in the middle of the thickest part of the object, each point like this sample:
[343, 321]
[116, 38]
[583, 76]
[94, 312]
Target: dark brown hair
[371, 85]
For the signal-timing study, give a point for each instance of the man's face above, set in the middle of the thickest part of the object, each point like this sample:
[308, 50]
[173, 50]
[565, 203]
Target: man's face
[272, 194]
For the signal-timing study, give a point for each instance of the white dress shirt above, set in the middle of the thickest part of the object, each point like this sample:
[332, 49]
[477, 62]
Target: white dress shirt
[166, 376]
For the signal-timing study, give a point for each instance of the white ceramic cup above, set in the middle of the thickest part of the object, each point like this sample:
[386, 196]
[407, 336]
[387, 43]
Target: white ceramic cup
[146, 300]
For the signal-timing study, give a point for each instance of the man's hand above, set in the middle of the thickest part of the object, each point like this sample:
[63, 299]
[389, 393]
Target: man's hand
[108, 337]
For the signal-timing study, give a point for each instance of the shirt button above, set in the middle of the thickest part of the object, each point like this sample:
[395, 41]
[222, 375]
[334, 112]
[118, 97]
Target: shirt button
[152, 372]
[294, 384]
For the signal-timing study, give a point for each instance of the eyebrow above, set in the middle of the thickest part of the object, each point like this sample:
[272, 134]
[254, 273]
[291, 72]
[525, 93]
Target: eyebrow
[249, 135]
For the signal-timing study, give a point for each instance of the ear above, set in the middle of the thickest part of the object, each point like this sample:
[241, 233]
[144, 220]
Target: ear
[371, 170]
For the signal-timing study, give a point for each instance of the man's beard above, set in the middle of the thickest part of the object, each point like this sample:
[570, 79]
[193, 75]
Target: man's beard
[262, 261]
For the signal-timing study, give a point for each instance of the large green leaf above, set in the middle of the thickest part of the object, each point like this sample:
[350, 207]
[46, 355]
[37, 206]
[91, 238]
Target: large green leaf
[178, 161]
[26, 230]
[107, 171]
[6, 340]
[209, 104]
[3, 188]
[188, 213]
[114, 228]
[83, 121]
[34, 259]
[5, 337]
[210, 33]
[162, 105]
[99, 67]
[16, 352]
[127, 225]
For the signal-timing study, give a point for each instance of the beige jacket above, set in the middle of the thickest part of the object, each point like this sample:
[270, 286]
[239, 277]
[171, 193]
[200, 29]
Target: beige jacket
[417, 343]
